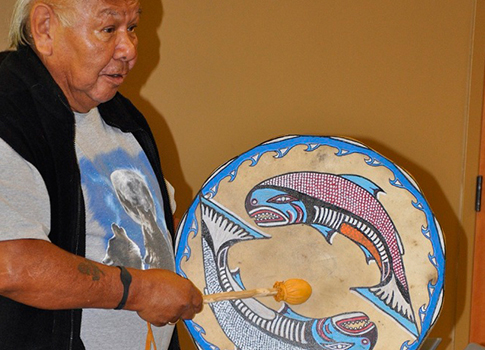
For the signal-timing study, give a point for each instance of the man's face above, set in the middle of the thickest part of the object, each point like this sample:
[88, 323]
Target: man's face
[92, 57]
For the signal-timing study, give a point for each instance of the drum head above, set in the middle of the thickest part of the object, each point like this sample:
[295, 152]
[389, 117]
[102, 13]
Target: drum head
[327, 210]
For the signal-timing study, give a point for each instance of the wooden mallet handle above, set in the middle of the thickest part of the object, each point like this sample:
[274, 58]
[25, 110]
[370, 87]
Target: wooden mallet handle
[251, 293]
[292, 291]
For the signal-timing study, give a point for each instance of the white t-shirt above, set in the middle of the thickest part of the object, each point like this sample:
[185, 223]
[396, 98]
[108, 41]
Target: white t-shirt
[125, 223]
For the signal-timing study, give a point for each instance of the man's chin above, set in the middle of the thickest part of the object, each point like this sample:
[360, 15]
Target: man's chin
[106, 96]
[92, 102]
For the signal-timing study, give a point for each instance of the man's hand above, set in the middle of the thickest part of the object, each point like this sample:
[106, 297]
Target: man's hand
[161, 296]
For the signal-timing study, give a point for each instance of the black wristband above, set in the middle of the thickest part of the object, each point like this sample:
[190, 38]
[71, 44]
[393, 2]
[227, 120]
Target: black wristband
[126, 280]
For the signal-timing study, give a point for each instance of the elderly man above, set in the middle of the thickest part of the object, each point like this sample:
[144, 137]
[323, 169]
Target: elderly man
[85, 220]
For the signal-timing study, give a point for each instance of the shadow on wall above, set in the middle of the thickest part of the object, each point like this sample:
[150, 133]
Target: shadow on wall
[148, 59]
[455, 242]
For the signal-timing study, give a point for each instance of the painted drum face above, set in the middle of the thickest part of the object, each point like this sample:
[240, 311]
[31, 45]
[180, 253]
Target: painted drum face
[327, 210]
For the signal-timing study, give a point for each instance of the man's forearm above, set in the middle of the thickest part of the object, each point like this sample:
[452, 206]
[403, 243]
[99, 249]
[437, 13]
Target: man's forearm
[39, 274]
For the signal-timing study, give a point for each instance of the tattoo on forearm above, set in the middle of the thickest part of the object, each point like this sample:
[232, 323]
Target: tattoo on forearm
[90, 269]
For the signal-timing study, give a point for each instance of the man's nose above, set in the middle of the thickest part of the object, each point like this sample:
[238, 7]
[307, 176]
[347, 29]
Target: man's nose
[126, 46]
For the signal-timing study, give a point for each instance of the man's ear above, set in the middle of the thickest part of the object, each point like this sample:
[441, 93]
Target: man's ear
[42, 25]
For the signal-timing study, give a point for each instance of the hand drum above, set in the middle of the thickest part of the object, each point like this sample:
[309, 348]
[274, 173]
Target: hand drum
[327, 210]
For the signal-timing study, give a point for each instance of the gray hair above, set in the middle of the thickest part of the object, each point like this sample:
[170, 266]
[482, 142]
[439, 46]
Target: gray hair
[19, 33]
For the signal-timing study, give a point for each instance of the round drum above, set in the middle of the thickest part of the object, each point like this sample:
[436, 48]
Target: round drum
[327, 210]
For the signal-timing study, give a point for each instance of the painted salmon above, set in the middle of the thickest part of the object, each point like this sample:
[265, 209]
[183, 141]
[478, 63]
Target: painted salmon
[345, 204]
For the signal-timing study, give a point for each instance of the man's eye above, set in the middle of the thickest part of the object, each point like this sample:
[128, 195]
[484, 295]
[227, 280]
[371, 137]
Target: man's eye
[109, 30]
[132, 28]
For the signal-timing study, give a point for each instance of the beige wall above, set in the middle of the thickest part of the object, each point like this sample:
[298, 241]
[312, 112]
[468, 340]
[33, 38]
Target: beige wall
[6, 7]
[216, 78]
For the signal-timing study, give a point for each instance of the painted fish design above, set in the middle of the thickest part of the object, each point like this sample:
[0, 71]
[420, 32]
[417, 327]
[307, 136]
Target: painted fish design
[345, 204]
[250, 324]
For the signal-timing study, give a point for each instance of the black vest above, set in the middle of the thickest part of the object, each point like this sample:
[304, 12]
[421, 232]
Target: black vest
[37, 122]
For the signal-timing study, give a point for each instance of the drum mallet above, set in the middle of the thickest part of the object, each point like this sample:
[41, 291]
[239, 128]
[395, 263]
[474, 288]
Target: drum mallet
[293, 291]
